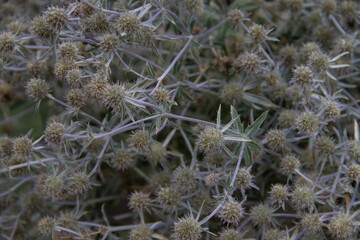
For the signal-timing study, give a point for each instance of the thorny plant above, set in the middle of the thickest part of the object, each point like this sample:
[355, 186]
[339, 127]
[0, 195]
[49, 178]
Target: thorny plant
[179, 120]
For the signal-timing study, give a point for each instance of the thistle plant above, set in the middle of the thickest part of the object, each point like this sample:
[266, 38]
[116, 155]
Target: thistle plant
[185, 120]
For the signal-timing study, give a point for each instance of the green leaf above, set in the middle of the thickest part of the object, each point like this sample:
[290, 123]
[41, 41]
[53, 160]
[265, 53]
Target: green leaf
[248, 156]
[253, 128]
[218, 119]
[227, 126]
[234, 115]
[237, 138]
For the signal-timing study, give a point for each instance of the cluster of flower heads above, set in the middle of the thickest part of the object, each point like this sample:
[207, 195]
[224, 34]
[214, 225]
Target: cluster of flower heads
[184, 120]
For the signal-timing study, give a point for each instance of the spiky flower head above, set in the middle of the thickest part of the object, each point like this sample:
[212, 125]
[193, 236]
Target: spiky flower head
[261, 214]
[319, 61]
[54, 186]
[353, 172]
[308, 123]
[140, 140]
[341, 226]
[187, 228]
[73, 77]
[236, 16]
[194, 6]
[161, 95]
[22, 146]
[276, 139]
[6, 147]
[212, 180]
[76, 98]
[295, 5]
[56, 17]
[354, 149]
[325, 146]
[114, 97]
[243, 179]
[258, 33]
[303, 197]
[230, 234]
[279, 193]
[7, 43]
[332, 110]
[308, 49]
[156, 153]
[128, 23]
[248, 62]
[141, 232]
[303, 76]
[109, 43]
[287, 118]
[311, 222]
[169, 198]
[41, 29]
[210, 140]
[185, 179]
[349, 9]
[46, 226]
[328, 6]
[289, 163]
[139, 201]
[146, 36]
[54, 133]
[97, 86]
[67, 51]
[121, 159]
[231, 212]
[37, 88]
[80, 182]
[232, 93]
[62, 67]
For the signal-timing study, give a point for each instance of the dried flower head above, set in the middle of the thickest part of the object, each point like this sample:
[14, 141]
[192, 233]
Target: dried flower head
[141, 232]
[121, 159]
[279, 193]
[56, 17]
[7, 43]
[303, 76]
[109, 43]
[76, 98]
[261, 214]
[41, 29]
[258, 33]
[308, 123]
[68, 51]
[287, 118]
[140, 140]
[231, 212]
[325, 146]
[161, 95]
[156, 153]
[22, 146]
[169, 198]
[210, 140]
[311, 223]
[230, 234]
[54, 133]
[187, 228]
[139, 201]
[341, 226]
[37, 89]
[46, 226]
[303, 197]
[236, 16]
[243, 179]
[289, 163]
[248, 62]
[185, 179]
[114, 96]
[232, 93]
[353, 172]
[128, 23]
[276, 139]
[319, 61]
[354, 149]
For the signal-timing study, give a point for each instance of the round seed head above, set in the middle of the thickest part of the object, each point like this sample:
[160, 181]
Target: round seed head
[328, 6]
[169, 198]
[37, 88]
[212, 180]
[35, 67]
[354, 149]
[308, 123]
[303, 197]
[121, 160]
[97, 86]
[279, 193]
[62, 67]
[344, 45]
[303, 76]
[7, 93]
[332, 110]
[114, 97]
[261, 214]
[46, 226]
[41, 29]
[54, 133]
[275, 234]
[194, 6]
[276, 139]
[236, 16]
[140, 232]
[185, 179]
[56, 17]
[73, 77]
[341, 226]
[287, 118]
[128, 23]
[187, 228]
[22, 146]
[258, 33]
[210, 140]
[272, 78]
[231, 212]
[140, 140]
[243, 179]
[80, 183]
[161, 95]
[353, 172]
[325, 146]
[76, 98]
[54, 186]
[230, 234]
[6, 147]
[97, 23]
[68, 51]
[16, 160]
[7, 43]
[232, 93]
[289, 164]
[349, 10]
[109, 42]
[295, 5]
[146, 36]
[308, 49]
[319, 61]
[248, 62]
[156, 153]
[139, 201]
[311, 223]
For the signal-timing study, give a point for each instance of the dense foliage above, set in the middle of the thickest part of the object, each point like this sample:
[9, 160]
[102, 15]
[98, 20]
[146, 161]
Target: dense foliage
[185, 120]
